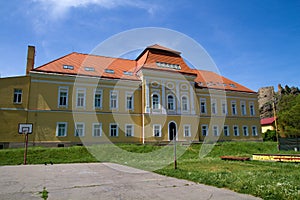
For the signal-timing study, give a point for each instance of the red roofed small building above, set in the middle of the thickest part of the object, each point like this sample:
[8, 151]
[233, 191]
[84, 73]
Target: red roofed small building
[86, 99]
[267, 124]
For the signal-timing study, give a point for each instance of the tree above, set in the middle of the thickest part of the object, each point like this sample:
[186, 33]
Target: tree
[289, 114]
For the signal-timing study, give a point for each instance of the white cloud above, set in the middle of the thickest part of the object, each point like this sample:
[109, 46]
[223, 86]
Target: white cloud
[57, 9]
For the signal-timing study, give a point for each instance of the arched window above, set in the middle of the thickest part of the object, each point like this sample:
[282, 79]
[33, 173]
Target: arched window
[155, 102]
[184, 103]
[171, 102]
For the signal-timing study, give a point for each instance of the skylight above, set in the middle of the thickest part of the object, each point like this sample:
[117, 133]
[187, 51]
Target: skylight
[68, 67]
[89, 69]
[168, 65]
[128, 73]
[109, 71]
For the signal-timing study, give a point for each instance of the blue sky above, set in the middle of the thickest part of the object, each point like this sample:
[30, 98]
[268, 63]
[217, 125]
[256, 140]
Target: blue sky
[255, 43]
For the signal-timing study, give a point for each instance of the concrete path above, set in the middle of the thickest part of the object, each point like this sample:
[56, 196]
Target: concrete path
[101, 181]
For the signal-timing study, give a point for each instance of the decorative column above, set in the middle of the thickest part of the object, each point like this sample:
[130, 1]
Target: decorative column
[178, 100]
[147, 100]
[192, 97]
[163, 97]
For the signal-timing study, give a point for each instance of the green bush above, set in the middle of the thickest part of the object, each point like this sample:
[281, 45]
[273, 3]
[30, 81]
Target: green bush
[269, 135]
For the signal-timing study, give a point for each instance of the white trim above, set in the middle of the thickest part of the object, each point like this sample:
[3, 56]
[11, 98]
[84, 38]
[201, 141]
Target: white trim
[17, 93]
[83, 129]
[206, 128]
[216, 128]
[187, 104]
[98, 91]
[93, 129]
[67, 97]
[174, 102]
[247, 130]
[238, 131]
[224, 102]
[256, 130]
[252, 104]
[116, 92]
[205, 105]
[189, 130]
[117, 130]
[153, 129]
[215, 107]
[175, 130]
[228, 97]
[233, 102]
[81, 91]
[243, 108]
[132, 130]
[159, 102]
[129, 94]
[228, 130]
[66, 129]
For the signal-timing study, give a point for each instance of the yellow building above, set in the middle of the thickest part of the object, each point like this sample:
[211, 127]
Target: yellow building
[86, 99]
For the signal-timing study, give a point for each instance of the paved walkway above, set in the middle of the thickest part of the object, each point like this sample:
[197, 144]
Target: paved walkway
[101, 181]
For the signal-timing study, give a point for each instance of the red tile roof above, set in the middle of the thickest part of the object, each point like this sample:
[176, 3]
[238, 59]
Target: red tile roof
[208, 79]
[150, 58]
[267, 121]
[99, 63]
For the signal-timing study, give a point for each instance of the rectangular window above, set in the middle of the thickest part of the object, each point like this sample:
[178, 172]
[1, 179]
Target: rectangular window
[129, 101]
[245, 131]
[184, 103]
[203, 106]
[97, 129]
[113, 100]
[80, 97]
[157, 130]
[17, 96]
[79, 129]
[236, 131]
[129, 130]
[243, 107]
[226, 130]
[61, 129]
[252, 109]
[187, 130]
[254, 131]
[63, 96]
[233, 108]
[224, 107]
[214, 106]
[98, 98]
[113, 130]
[216, 130]
[204, 130]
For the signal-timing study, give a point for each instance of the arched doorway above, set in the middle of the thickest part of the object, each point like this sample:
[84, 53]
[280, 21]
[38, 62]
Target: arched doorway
[172, 130]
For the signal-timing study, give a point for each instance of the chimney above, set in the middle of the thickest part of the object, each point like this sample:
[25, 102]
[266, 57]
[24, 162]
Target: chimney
[30, 59]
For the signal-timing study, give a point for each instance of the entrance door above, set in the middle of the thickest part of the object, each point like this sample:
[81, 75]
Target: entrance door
[172, 130]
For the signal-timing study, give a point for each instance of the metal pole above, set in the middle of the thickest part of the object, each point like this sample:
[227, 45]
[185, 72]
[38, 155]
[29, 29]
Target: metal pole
[25, 151]
[175, 159]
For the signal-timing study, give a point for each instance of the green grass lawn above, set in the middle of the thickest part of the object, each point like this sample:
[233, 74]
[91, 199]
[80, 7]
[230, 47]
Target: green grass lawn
[268, 180]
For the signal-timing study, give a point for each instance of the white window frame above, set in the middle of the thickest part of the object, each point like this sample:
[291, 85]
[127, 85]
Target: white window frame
[216, 130]
[127, 128]
[238, 131]
[131, 95]
[234, 108]
[65, 129]
[76, 129]
[243, 108]
[224, 107]
[252, 108]
[173, 102]
[17, 98]
[187, 130]
[80, 91]
[94, 129]
[155, 128]
[245, 131]
[110, 129]
[203, 100]
[214, 107]
[254, 128]
[111, 100]
[60, 90]
[152, 102]
[98, 91]
[204, 127]
[185, 104]
[227, 132]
